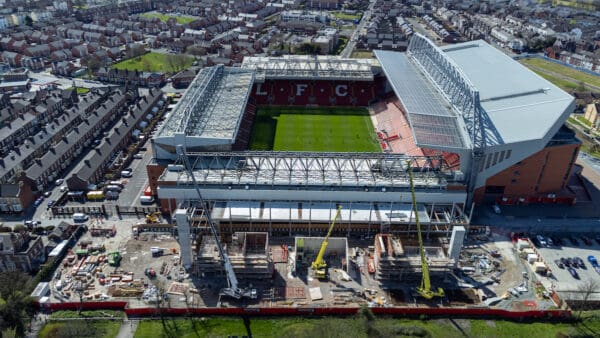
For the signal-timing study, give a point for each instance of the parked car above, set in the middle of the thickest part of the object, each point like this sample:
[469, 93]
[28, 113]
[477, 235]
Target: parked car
[126, 173]
[565, 261]
[541, 240]
[580, 262]
[59, 181]
[38, 201]
[557, 240]
[586, 240]
[64, 188]
[138, 156]
[573, 273]
[47, 193]
[571, 262]
[559, 264]
[496, 209]
[593, 261]
[573, 240]
[51, 204]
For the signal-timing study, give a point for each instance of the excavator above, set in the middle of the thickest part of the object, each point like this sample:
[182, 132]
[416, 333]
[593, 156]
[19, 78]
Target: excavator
[233, 291]
[424, 290]
[319, 265]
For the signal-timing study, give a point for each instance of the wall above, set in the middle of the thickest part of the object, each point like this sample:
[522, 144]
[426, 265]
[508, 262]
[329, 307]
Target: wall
[545, 172]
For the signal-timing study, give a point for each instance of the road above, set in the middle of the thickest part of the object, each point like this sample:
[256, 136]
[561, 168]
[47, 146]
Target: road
[354, 37]
[137, 182]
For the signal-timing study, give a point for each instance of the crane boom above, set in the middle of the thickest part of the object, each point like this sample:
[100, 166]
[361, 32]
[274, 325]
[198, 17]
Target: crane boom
[425, 289]
[319, 263]
[233, 290]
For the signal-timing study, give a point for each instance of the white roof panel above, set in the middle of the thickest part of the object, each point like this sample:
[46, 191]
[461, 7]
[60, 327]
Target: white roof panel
[521, 105]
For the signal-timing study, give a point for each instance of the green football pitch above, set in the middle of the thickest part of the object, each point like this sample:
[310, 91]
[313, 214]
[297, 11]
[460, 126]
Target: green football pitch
[313, 129]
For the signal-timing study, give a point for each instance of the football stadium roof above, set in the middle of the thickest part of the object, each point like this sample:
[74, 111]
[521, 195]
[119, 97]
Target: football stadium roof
[322, 67]
[211, 109]
[472, 95]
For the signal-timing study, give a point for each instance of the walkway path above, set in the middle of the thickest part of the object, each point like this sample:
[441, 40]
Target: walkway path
[128, 328]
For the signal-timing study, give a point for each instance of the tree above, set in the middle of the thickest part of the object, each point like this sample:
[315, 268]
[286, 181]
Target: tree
[93, 64]
[585, 290]
[308, 48]
[16, 307]
[28, 21]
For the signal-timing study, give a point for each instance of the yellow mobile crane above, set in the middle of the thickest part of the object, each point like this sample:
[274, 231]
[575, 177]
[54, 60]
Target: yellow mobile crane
[319, 264]
[425, 289]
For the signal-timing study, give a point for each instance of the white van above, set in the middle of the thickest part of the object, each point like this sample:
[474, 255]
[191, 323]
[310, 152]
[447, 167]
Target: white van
[80, 217]
[146, 199]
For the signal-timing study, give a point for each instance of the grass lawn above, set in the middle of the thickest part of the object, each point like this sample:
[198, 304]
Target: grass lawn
[165, 17]
[318, 129]
[344, 16]
[81, 329]
[357, 327]
[576, 75]
[359, 54]
[153, 62]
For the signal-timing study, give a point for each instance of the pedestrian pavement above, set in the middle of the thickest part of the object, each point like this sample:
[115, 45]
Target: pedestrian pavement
[128, 328]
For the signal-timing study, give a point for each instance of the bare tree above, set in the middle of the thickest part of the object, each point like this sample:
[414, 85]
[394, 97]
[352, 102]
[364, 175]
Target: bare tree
[585, 290]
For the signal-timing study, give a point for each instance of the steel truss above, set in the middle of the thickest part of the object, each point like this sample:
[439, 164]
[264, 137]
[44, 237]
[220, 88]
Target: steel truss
[452, 82]
[315, 169]
[303, 67]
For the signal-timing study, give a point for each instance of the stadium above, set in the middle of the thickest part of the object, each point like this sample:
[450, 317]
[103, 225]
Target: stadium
[279, 142]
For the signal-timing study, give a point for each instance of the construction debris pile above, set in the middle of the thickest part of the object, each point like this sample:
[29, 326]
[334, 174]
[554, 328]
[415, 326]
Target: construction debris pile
[248, 252]
[394, 261]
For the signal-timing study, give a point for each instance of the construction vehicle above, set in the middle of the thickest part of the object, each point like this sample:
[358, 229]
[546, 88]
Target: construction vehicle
[153, 217]
[424, 290]
[233, 290]
[114, 258]
[319, 265]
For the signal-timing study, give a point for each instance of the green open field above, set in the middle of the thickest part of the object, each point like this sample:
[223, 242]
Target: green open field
[81, 329]
[357, 327]
[344, 16]
[156, 62]
[548, 66]
[165, 17]
[313, 129]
